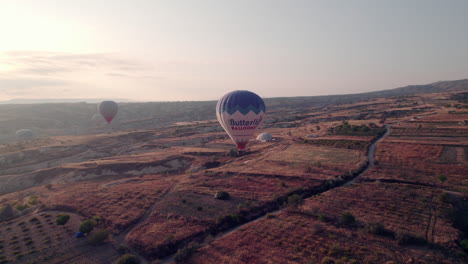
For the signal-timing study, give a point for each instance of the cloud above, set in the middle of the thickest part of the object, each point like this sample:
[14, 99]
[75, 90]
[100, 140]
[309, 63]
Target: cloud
[33, 72]
[37, 61]
[113, 74]
[28, 83]
[25, 86]
[43, 70]
[47, 63]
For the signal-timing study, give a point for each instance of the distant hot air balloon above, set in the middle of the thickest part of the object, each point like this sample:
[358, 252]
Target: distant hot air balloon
[108, 109]
[24, 134]
[240, 113]
[97, 119]
[264, 137]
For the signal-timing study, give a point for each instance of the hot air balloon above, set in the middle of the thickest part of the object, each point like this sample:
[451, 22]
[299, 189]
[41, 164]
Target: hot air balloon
[97, 119]
[264, 137]
[24, 134]
[108, 109]
[240, 113]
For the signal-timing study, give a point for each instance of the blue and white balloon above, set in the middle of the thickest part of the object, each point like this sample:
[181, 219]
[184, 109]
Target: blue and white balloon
[240, 113]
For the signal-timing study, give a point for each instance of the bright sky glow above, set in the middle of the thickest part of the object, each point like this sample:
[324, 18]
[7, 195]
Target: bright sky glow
[199, 50]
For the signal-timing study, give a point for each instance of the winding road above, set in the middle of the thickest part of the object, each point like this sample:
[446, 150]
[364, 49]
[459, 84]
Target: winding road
[370, 156]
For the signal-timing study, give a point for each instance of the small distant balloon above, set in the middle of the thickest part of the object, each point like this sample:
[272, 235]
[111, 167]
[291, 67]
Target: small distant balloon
[263, 137]
[24, 134]
[240, 113]
[108, 110]
[97, 117]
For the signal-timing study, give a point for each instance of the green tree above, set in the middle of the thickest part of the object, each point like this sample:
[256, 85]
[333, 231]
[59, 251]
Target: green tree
[86, 226]
[62, 219]
[442, 178]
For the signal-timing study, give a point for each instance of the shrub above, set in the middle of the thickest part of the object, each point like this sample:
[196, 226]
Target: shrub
[128, 259]
[464, 244]
[458, 214]
[322, 218]
[123, 249]
[62, 219]
[442, 178]
[316, 229]
[170, 238]
[443, 197]
[222, 195]
[347, 218]
[404, 238]
[233, 153]
[97, 219]
[86, 226]
[346, 129]
[235, 218]
[335, 250]
[34, 219]
[183, 253]
[295, 201]
[21, 207]
[99, 236]
[33, 200]
[327, 260]
[375, 228]
[209, 239]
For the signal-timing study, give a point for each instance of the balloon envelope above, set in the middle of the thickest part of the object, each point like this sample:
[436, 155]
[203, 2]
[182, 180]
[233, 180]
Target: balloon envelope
[108, 109]
[97, 119]
[263, 137]
[240, 113]
[24, 134]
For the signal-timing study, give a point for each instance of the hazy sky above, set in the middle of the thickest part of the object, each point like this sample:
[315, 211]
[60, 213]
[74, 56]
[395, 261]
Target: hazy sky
[201, 49]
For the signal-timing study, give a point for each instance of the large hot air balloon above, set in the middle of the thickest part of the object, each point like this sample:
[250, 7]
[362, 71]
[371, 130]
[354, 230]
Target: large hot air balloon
[24, 134]
[108, 109]
[240, 113]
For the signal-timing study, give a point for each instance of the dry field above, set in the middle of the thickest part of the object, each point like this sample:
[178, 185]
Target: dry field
[155, 189]
[300, 238]
[426, 154]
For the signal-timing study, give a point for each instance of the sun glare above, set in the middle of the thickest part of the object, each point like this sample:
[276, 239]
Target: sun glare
[5, 67]
[29, 31]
